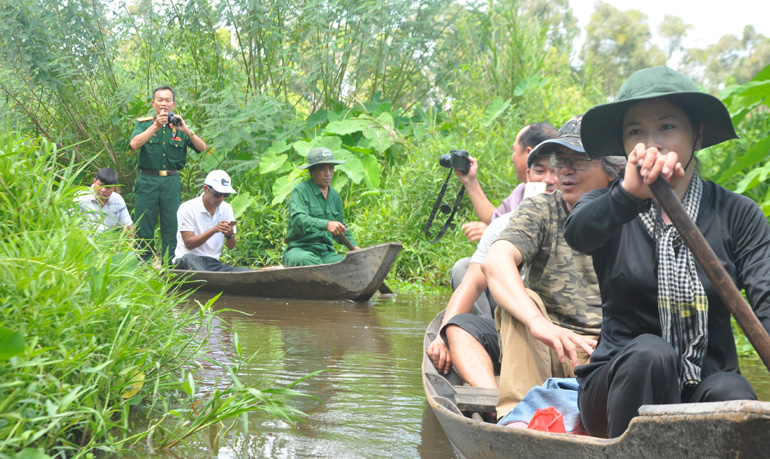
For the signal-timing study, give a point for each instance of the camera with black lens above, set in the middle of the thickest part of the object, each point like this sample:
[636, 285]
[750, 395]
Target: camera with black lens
[173, 119]
[457, 160]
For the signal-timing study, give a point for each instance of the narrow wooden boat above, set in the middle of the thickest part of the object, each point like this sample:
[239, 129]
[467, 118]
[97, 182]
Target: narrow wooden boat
[355, 278]
[723, 429]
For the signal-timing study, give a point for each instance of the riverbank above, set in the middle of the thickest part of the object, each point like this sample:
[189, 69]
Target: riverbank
[88, 333]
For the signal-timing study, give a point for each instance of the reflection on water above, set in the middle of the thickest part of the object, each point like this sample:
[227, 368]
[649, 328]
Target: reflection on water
[373, 400]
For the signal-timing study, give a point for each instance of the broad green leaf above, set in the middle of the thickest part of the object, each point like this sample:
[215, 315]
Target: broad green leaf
[345, 127]
[302, 147]
[358, 149]
[278, 147]
[495, 109]
[386, 118]
[371, 171]
[332, 142]
[282, 187]
[528, 84]
[269, 162]
[339, 181]
[353, 168]
[242, 201]
[377, 136]
[11, 343]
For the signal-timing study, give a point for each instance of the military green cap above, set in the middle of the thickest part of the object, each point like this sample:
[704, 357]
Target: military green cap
[320, 155]
[602, 131]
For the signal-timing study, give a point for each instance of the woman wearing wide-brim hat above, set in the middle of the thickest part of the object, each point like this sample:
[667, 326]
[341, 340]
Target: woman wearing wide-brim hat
[666, 335]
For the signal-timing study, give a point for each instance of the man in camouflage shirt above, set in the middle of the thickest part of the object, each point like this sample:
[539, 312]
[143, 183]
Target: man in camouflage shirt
[549, 321]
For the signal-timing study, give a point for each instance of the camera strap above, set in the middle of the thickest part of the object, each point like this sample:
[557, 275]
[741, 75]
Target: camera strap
[437, 205]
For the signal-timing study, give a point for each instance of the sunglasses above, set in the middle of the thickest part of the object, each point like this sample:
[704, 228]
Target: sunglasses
[216, 193]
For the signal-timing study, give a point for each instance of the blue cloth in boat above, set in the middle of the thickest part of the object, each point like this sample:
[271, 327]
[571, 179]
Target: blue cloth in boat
[560, 393]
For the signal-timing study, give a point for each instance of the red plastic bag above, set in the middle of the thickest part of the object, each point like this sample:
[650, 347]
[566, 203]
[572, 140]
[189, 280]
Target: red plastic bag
[547, 420]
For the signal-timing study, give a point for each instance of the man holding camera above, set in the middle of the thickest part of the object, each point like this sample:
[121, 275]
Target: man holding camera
[468, 339]
[163, 140]
[527, 138]
[206, 223]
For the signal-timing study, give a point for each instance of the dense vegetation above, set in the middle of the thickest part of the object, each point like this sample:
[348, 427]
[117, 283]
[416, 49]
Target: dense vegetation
[387, 85]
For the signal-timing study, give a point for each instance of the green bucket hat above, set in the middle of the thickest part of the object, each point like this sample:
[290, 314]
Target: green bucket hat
[601, 130]
[320, 155]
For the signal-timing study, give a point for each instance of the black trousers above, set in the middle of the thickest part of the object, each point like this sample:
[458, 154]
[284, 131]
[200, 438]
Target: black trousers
[192, 262]
[645, 372]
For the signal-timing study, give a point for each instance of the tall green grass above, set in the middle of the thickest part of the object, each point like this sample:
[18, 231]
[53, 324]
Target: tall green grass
[87, 331]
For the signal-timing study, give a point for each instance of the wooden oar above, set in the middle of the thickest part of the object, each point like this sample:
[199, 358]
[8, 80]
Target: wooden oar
[384, 289]
[713, 269]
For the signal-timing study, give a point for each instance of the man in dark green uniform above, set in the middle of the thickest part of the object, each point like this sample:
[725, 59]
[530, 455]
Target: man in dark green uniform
[163, 141]
[315, 215]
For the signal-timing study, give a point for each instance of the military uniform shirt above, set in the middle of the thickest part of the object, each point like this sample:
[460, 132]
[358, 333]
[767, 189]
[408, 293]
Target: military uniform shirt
[165, 150]
[309, 213]
[564, 278]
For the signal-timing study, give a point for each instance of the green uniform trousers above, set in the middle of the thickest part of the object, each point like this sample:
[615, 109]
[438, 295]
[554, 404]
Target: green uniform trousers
[154, 194]
[317, 254]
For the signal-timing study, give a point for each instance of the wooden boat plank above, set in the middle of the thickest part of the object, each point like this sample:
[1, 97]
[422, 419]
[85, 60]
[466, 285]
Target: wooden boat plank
[483, 400]
[724, 429]
[356, 278]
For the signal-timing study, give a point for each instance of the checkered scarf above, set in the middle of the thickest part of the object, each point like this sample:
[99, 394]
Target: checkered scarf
[682, 301]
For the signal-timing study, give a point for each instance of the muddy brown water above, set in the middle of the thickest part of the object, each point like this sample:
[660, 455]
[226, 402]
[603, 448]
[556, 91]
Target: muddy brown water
[373, 400]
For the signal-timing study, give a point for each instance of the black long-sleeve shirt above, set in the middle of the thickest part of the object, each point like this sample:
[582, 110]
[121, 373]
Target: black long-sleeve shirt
[605, 224]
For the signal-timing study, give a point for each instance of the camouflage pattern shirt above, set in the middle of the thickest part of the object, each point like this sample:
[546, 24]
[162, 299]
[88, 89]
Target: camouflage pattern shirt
[564, 278]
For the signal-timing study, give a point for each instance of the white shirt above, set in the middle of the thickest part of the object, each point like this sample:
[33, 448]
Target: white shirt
[489, 237]
[113, 213]
[193, 216]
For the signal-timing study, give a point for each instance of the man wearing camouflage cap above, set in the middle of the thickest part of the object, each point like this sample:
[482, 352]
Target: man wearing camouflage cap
[546, 322]
[316, 217]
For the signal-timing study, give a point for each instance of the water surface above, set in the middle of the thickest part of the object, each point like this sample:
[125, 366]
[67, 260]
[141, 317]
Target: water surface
[373, 401]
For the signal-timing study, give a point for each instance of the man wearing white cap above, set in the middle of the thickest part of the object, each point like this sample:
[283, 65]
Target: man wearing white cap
[205, 224]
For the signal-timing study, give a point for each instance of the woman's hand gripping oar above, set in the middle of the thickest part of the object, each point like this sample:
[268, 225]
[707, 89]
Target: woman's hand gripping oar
[713, 269]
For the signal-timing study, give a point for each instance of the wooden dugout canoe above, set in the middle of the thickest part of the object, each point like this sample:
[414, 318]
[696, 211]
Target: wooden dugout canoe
[356, 278]
[703, 430]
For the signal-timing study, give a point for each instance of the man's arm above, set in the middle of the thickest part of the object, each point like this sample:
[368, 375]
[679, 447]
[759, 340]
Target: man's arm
[197, 142]
[140, 139]
[192, 240]
[481, 204]
[501, 270]
[462, 300]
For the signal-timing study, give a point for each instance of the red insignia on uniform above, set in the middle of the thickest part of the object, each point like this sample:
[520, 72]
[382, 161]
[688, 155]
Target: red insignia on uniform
[176, 138]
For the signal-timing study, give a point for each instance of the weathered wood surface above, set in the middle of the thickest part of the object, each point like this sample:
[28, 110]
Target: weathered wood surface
[356, 278]
[725, 429]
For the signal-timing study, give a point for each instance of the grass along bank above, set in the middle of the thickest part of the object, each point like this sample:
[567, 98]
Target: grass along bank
[89, 336]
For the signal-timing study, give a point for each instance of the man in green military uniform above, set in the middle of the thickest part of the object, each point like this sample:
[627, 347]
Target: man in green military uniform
[316, 217]
[163, 139]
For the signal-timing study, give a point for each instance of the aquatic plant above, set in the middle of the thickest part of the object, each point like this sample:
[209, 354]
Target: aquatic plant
[89, 335]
